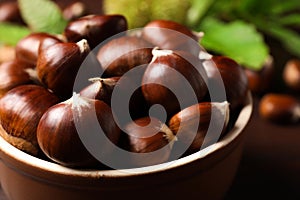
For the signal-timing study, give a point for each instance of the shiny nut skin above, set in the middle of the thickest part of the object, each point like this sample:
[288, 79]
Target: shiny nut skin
[160, 78]
[119, 55]
[142, 138]
[234, 79]
[95, 28]
[279, 108]
[171, 35]
[57, 66]
[192, 124]
[100, 88]
[14, 73]
[291, 74]
[59, 128]
[9, 12]
[20, 111]
[28, 47]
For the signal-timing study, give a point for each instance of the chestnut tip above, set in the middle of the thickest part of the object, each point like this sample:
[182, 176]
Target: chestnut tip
[83, 45]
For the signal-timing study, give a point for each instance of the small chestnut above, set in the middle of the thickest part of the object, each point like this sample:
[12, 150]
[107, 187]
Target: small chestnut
[146, 135]
[95, 28]
[291, 74]
[172, 79]
[58, 65]
[260, 81]
[280, 108]
[59, 128]
[200, 125]
[10, 12]
[20, 111]
[27, 49]
[74, 10]
[119, 55]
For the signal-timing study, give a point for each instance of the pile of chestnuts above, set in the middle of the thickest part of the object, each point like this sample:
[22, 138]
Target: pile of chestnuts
[60, 85]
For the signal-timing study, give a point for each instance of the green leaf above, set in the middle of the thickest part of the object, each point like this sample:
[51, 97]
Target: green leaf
[42, 16]
[237, 40]
[10, 33]
[292, 19]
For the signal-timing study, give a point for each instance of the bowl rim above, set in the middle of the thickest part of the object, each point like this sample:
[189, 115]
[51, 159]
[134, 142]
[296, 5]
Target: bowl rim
[48, 166]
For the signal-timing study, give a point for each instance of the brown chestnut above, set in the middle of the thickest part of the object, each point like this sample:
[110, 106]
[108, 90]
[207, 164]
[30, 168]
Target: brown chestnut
[200, 125]
[232, 78]
[174, 80]
[20, 111]
[167, 34]
[58, 65]
[280, 108]
[146, 135]
[95, 28]
[9, 12]
[59, 128]
[27, 49]
[74, 10]
[14, 73]
[291, 74]
[119, 55]
[101, 89]
[260, 81]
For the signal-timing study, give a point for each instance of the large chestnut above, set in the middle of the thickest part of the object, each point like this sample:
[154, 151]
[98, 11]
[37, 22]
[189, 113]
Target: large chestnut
[95, 28]
[59, 128]
[174, 80]
[58, 65]
[119, 55]
[200, 125]
[20, 111]
[171, 35]
[146, 135]
[27, 49]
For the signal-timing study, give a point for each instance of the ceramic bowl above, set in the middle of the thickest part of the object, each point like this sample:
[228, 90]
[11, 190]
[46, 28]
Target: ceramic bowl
[207, 174]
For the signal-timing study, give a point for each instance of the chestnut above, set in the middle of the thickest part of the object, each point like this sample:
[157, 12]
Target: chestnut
[174, 80]
[119, 55]
[58, 65]
[291, 74]
[167, 34]
[95, 28]
[7, 53]
[151, 138]
[279, 108]
[14, 73]
[200, 125]
[59, 128]
[20, 111]
[101, 89]
[259, 81]
[225, 73]
[10, 12]
[74, 10]
[27, 49]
